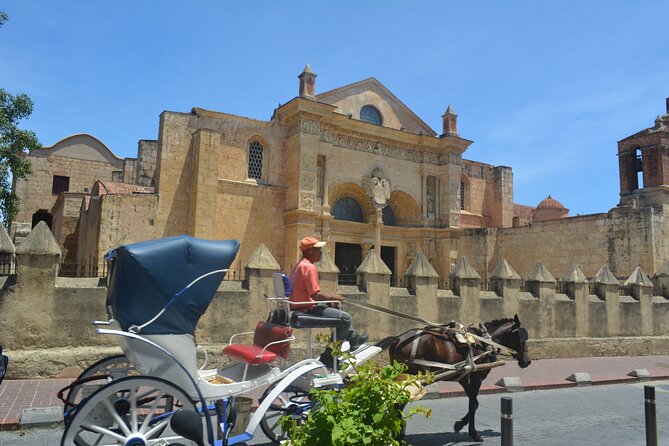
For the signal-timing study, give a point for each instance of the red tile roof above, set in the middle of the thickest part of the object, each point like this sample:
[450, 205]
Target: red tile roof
[110, 188]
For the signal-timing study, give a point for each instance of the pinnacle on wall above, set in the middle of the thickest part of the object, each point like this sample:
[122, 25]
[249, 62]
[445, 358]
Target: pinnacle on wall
[605, 277]
[575, 275]
[503, 270]
[421, 267]
[6, 245]
[464, 270]
[262, 258]
[540, 274]
[40, 241]
[326, 264]
[373, 264]
[664, 271]
[638, 277]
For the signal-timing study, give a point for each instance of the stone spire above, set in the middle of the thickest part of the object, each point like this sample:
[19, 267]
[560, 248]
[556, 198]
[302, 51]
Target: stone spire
[450, 122]
[605, 277]
[421, 267]
[307, 83]
[262, 258]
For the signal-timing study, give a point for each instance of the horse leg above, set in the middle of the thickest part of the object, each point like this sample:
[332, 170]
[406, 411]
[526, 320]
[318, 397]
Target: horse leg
[471, 390]
[472, 393]
[457, 427]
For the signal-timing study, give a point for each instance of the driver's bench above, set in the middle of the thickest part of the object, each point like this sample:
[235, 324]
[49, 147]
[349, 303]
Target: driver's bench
[299, 319]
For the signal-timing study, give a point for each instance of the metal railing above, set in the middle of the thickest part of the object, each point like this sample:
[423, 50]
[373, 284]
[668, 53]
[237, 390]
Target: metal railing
[7, 265]
[71, 269]
[235, 275]
[347, 279]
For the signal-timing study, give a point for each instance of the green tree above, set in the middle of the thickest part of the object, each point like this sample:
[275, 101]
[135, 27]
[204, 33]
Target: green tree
[14, 144]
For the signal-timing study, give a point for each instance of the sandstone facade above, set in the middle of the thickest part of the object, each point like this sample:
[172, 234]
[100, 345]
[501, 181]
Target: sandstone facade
[311, 170]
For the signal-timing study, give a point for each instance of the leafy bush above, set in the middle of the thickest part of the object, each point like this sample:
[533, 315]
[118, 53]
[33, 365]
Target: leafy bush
[367, 411]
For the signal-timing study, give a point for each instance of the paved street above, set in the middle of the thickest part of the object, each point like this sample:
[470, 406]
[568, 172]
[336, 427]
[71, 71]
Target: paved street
[594, 415]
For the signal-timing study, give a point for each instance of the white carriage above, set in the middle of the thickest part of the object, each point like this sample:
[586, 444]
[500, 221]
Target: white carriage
[154, 394]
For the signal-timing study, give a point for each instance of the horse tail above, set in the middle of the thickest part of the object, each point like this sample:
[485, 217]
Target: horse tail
[386, 342]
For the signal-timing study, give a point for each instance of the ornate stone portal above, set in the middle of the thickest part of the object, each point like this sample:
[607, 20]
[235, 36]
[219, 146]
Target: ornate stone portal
[378, 189]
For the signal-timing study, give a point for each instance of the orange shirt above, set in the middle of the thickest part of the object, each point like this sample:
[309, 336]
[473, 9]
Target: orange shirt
[304, 278]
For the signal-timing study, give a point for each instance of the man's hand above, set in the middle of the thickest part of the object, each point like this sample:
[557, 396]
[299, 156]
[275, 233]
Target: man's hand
[337, 305]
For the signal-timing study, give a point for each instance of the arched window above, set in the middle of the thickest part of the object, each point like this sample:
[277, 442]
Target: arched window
[371, 115]
[638, 167]
[389, 216]
[463, 192]
[255, 160]
[348, 209]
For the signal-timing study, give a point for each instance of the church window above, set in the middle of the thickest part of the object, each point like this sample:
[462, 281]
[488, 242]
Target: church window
[463, 191]
[389, 216]
[371, 115]
[60, 184]
[255, 160]
[638, 167]
[348, 209]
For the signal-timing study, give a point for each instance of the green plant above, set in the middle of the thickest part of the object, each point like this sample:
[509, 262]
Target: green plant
[367, 411]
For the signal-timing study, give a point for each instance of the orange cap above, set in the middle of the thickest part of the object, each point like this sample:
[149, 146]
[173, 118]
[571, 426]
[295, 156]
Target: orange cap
[310, 242]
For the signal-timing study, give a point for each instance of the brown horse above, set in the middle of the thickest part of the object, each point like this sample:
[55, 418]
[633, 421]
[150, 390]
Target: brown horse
[436, 344]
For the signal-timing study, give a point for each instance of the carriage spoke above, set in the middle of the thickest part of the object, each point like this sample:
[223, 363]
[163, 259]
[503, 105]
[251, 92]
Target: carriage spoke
[152, 411]
[157, 428]
[122, 424]
[133, 409]
[101, 430]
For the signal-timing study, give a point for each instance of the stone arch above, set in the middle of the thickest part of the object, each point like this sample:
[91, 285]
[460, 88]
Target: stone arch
[354, 191]
[405, 207]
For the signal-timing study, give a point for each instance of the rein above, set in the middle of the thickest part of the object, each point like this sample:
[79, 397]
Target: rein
[501, 348]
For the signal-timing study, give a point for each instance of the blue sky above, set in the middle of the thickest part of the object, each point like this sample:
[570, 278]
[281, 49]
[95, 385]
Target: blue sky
[547, 88]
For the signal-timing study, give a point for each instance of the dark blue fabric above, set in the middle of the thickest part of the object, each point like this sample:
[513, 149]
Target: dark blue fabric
[287, 285]
[144, 276]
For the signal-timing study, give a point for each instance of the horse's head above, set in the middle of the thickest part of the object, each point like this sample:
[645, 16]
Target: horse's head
[510, 334]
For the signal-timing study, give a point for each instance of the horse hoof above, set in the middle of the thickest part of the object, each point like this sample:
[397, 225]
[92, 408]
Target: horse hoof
[476, 437]
[458, 426]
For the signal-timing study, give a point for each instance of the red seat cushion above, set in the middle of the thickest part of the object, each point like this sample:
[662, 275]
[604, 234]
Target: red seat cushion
[267, 332]
[250, 354]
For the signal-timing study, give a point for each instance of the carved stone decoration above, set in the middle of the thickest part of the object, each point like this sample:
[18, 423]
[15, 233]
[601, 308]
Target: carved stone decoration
[310, 127]
[306, 201]
[375, 147]
[307, 182]
[308, 162]
[378, 188]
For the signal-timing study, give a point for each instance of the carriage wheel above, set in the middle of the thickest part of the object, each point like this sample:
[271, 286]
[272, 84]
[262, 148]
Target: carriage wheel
[292, 401]
[130, 411]
[97, 375]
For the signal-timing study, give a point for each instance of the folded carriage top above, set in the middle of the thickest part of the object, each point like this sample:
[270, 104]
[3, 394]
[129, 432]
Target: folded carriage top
[146, 277]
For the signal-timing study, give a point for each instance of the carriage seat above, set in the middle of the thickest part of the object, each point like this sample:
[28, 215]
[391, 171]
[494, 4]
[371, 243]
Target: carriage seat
[269, 342]
[299, 319]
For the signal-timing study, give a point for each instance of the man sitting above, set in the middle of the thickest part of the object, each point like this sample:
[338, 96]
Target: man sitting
[306, 288]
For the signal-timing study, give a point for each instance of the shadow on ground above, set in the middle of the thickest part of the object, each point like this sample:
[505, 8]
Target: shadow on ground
[447, 438]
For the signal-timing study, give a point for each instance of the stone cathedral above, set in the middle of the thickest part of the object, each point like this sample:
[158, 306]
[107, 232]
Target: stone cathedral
[353, 166]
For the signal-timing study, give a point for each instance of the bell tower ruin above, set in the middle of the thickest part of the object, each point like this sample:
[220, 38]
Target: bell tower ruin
[643, 161]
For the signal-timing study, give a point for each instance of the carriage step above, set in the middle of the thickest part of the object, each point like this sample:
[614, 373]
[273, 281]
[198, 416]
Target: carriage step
[333, 379]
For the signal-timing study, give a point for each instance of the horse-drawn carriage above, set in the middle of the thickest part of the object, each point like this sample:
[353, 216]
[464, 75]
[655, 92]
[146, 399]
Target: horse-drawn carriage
[155, 394]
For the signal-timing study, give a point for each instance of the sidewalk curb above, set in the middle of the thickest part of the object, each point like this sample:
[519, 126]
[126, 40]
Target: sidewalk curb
[491, 390]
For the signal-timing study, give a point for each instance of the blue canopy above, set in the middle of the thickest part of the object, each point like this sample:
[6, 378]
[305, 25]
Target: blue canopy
[145, 276]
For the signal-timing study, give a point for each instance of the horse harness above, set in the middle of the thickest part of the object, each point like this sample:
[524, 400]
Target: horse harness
[458, 334]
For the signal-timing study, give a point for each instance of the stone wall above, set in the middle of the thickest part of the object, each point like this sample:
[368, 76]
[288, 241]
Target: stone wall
[35, 191]
[47, 320]
[147, 155]
[623, 238]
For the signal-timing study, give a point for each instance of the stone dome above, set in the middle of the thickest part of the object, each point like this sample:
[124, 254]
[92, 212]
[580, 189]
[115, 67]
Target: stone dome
[550, 203]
